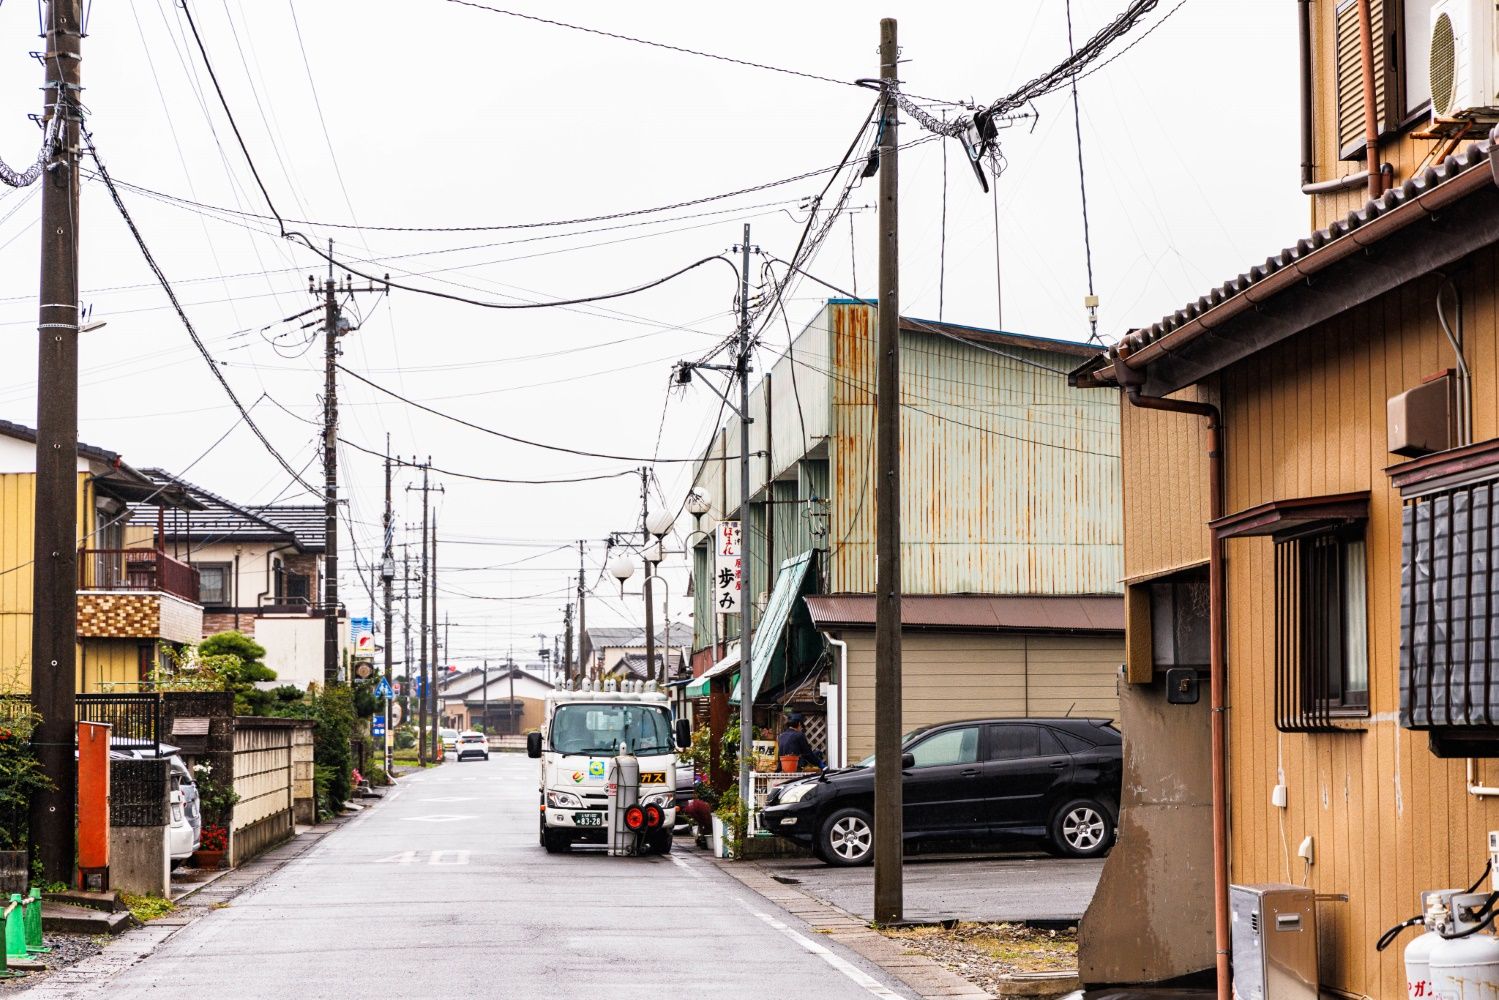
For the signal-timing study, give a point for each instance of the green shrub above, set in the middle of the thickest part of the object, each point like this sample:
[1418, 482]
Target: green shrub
[333, 713]
[21, 777]
[241, 657]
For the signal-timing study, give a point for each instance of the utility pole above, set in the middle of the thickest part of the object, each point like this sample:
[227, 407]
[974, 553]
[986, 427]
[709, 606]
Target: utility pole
[436, 661]
[650, 571]
[746, 572]
[406, 614]
[889, 892]
[334, 326]
[582, 616]
[485, 693]
[387, 577]
[54, 620]
[567, 644]
[330, 476]
[421, 684]
[510, 705]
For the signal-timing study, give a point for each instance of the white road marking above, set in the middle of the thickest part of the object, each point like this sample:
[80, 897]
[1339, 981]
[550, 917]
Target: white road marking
[449, 858]
[843, 965]
[404, 858]
[439, 818]
[689, 869]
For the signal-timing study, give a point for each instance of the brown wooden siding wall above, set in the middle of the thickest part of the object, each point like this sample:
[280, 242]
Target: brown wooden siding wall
[1305, 419]
[1165, 487]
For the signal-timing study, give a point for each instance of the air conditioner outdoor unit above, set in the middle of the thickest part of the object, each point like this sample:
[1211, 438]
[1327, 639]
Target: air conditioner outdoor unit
[1462, 60]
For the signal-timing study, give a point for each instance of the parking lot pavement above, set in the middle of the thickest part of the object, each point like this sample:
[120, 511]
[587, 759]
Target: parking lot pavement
[1010, 887]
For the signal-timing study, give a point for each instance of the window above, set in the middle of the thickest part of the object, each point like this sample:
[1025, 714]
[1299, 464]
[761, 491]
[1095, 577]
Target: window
[1179, 620]
[952, 746]
[1321, 628]
[1415, 55]
[297, 588]
[1012, 741]
[215, 584]
[1073, 742]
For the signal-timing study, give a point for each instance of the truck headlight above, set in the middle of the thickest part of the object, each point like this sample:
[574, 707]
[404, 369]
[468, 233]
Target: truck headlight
[662, 799]
[564, 800]
[797, 792]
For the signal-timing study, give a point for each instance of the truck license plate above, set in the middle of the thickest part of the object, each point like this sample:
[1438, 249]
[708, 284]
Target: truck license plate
[588, 819]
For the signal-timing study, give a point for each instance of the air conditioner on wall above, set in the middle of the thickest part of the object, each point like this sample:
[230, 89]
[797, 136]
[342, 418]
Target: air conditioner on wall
[1462, 60]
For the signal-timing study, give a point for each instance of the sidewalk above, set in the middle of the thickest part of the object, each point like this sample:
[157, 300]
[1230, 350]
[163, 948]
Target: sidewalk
[921, 974]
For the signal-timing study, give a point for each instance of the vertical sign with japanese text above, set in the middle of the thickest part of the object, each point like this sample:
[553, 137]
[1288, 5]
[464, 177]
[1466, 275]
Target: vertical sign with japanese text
[727, 569]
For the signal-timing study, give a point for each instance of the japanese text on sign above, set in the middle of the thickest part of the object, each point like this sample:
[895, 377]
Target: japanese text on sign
[728, 569]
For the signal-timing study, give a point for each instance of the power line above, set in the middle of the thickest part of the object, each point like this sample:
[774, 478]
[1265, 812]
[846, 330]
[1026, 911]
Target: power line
[509, 437]
[1082, 183]
[182, 315]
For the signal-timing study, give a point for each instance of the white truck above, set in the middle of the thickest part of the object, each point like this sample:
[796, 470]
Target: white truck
[608, 767]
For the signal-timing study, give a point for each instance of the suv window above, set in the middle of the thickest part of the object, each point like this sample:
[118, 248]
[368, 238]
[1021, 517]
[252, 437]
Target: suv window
[1073, 742]
[1016, 741]
[952, 746]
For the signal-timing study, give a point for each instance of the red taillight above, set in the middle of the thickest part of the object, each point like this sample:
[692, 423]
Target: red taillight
[634, 817]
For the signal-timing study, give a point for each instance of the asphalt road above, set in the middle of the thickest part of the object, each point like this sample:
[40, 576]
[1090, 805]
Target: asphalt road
[443, 891]
[1010, 887]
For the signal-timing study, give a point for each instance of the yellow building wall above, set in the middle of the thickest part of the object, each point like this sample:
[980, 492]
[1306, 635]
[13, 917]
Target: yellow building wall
[17, 527]
[1389, 819]
[109, 664]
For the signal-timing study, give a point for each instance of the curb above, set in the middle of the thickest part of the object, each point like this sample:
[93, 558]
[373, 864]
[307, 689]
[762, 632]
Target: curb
[929, 979]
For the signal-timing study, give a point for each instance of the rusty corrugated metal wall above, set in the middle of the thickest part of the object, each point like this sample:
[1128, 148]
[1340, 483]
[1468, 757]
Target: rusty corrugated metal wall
[1010, 480]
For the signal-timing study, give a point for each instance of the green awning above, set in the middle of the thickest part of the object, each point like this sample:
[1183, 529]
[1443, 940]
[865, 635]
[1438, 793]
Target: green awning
[767, 650]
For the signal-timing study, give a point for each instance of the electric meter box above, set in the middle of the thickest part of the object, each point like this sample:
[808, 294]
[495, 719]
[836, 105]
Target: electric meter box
[1274, 942]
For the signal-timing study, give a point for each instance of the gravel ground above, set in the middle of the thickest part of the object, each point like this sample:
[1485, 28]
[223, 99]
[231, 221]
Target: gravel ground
[982, 953]
[66, 950]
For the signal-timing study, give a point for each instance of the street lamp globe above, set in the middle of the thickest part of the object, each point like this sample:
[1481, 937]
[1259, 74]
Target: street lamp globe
[659, 522]
[621, 567]
[652, 553]
[697, 502]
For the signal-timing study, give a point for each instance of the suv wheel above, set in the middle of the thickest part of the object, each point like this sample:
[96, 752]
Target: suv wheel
[1082, 828]
[847, 838]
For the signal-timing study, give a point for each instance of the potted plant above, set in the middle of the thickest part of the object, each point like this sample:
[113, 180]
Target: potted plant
[212, 845]
[730, 823]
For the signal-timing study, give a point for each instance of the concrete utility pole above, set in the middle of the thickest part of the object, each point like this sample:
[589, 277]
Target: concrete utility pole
[436, 661]
[889, 902]
[582, 615]
[406, 615]
[421, 685]
[567, 644]
[650, 571]
[330, 476]
[485, 693]
[387, 577]
[746, 573]
[54, 619]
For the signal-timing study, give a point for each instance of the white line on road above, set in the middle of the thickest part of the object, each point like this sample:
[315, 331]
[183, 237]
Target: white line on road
[825, 953]
[689, 869]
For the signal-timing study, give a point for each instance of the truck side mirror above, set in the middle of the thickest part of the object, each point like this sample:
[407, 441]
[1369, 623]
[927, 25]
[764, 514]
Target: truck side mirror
[907, 760]
[533, 744]
[684, 734]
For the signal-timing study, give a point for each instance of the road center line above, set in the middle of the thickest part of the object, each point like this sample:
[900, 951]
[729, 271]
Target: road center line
[843, 965]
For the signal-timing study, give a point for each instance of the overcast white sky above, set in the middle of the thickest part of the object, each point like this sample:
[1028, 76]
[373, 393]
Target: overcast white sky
[443, 115]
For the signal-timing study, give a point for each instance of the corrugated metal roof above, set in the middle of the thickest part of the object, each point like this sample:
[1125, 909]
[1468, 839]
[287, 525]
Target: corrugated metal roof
[1463, 162]
[973, 611]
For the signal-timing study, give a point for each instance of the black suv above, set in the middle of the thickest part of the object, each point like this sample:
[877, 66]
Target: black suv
[982, 780]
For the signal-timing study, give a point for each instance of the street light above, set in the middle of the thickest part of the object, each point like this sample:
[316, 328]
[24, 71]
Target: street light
[652, 554]
[660, 522]
[697, 502]
[622, 567]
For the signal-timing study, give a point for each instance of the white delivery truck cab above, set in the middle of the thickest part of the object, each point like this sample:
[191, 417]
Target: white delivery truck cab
[593, 742]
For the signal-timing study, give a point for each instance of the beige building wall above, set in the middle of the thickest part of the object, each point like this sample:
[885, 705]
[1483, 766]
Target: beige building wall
[957, 675]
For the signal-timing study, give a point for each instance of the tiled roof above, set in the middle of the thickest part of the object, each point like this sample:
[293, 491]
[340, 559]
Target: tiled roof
[23, 433]
[1310, 254]
[224, 520]
[306, 521]
[633, 664]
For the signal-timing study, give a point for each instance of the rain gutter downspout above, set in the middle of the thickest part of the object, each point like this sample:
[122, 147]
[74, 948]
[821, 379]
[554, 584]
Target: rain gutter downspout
[1308, 162]
[1371, 104]
[842, 707]
[1131, 380]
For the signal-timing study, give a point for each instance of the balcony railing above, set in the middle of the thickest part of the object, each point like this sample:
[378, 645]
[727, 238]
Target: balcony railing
[136, 569]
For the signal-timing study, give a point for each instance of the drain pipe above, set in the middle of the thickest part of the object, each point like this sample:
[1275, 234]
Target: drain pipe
[1131, 381]
[1371, 103]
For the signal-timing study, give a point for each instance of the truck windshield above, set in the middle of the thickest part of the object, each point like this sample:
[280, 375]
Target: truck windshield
[600, 728]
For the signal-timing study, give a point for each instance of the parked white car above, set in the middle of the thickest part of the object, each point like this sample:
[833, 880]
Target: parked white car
[185, 813]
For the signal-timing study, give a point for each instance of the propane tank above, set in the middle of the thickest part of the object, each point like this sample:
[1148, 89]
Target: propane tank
[1465, 968]
[623, 792]
[1437, 905]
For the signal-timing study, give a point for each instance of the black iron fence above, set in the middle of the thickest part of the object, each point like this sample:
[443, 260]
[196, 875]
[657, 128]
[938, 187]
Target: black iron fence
[135, 718]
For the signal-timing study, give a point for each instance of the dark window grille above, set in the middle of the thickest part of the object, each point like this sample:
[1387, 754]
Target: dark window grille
[1448, 635]
[1321, 629]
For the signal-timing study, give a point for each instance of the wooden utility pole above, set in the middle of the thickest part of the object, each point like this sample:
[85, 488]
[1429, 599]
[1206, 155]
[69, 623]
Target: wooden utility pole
[567, 643]
[889, 903]
[746, 571]
[330, 476]
[54, 619]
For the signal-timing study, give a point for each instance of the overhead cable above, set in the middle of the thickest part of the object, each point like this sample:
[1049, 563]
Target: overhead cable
[508, 437]
[24, 178]
[187, 324]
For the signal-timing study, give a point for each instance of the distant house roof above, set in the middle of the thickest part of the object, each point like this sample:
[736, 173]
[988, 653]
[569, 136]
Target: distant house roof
[634, 665]
[603, 636]
[307, 522]
[217, 519]
[23, 433]
[469, 684]
[970, 612]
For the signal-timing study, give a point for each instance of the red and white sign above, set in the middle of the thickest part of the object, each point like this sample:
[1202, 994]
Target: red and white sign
[728, 569]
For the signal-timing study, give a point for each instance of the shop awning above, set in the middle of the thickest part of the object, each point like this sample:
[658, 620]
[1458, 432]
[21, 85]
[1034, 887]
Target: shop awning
[766, 651]
[698, 686]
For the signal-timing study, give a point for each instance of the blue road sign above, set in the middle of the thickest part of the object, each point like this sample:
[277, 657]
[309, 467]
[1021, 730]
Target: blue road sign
[383, 689]
[377, 727]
